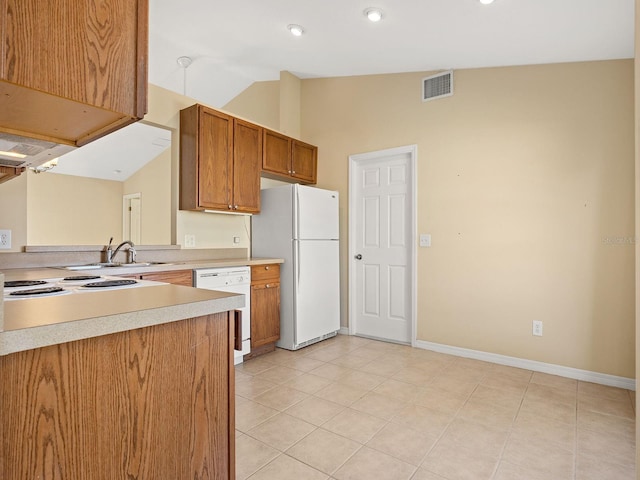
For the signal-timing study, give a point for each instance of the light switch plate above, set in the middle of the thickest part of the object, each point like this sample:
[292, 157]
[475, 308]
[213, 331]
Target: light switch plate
[425, 240]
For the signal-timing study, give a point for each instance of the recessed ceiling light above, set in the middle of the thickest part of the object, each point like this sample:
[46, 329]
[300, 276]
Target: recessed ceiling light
[295, 30]
[486, 2]
[373, 14]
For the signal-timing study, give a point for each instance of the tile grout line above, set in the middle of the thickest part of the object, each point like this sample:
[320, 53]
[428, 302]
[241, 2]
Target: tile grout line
[409, 363]
[444, 431]
[510, 430]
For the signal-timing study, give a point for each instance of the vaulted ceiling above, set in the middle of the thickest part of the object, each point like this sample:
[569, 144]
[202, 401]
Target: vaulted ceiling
[235, 43]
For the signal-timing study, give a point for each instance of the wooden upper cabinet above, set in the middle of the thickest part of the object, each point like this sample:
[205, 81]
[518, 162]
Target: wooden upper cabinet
[220, 160]
[85, 59]
[247, 159]
[277, 153]
[285, 158]
[215, 160]
[304, 161]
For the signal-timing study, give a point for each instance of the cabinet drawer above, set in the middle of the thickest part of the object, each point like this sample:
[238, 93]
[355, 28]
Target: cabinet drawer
[175, 277]
[265, 273]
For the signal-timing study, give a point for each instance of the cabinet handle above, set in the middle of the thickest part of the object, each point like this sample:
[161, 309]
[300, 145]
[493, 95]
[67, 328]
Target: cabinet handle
[237, 319]
[235, 207]
[289, 172]
[230, 207]
[293, 173]
[267, 285]
[267, 267]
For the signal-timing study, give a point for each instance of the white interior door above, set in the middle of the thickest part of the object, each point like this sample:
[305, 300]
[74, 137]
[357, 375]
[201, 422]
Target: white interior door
[131, 205]
[382, 244]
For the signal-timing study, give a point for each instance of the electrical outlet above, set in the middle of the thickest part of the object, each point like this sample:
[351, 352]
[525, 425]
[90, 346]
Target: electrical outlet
[189, 241]
[425, 240]
[5, 239]
[236, 239]
[537, 328]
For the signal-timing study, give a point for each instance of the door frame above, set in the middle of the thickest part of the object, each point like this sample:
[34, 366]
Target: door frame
[126, 215]
[362, 159]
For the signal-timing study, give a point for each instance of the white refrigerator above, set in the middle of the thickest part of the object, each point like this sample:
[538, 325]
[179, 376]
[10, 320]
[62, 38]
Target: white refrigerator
[301, 225]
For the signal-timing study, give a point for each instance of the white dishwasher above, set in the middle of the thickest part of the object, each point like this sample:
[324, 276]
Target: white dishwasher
[232, 280]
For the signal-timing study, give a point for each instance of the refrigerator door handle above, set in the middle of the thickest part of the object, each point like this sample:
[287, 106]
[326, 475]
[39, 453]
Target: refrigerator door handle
[296, 214]
[296, 262]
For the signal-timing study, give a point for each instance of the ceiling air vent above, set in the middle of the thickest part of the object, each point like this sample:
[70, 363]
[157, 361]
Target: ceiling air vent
[437, 86]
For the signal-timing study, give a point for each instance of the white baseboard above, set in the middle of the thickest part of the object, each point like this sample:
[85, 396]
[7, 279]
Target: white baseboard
[343, 331]
[584, 375]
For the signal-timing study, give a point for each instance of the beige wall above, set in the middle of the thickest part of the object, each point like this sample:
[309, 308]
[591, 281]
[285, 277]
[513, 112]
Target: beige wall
[259, 103]
[13, 215]
[70, 210]
[290, 111]
[525, 181]
[153, 182]
[211, 230]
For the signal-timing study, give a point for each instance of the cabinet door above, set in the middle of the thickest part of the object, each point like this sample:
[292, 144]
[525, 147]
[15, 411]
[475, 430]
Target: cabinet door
[215, 159]
[265, 314]
[247, 161]
[304, 161]
[276, 154]
[90, 51]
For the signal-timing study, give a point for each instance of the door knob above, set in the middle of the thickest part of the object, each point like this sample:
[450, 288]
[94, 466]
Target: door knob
[358, 257]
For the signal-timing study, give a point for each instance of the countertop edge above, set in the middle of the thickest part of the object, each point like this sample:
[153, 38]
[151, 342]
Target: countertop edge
[34, 273]
[13, 341]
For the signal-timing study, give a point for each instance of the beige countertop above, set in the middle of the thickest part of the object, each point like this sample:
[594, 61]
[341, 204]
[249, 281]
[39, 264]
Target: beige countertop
[49, 272]
[38, 322]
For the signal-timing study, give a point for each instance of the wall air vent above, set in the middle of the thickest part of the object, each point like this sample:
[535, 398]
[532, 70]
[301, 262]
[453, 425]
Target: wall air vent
[437, 86]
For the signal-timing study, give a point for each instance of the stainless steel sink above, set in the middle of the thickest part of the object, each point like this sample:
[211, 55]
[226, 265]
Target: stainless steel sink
[136, 264]
[93, 266]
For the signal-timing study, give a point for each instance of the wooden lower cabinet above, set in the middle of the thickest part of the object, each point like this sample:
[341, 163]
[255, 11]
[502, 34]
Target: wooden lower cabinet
[150, 403]
[265, 308]
[175, 277]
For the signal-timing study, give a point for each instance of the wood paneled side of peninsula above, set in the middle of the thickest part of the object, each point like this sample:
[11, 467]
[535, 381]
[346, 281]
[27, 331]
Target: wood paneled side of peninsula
[154, 402]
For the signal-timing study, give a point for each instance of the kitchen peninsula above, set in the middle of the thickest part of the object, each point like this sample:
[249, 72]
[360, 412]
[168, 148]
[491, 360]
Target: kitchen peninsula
[129, 383]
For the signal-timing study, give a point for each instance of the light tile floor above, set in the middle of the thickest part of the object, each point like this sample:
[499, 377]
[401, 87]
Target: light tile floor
[350, 408]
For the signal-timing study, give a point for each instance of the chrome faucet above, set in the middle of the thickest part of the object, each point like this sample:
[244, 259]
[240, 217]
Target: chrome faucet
[112, 253]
